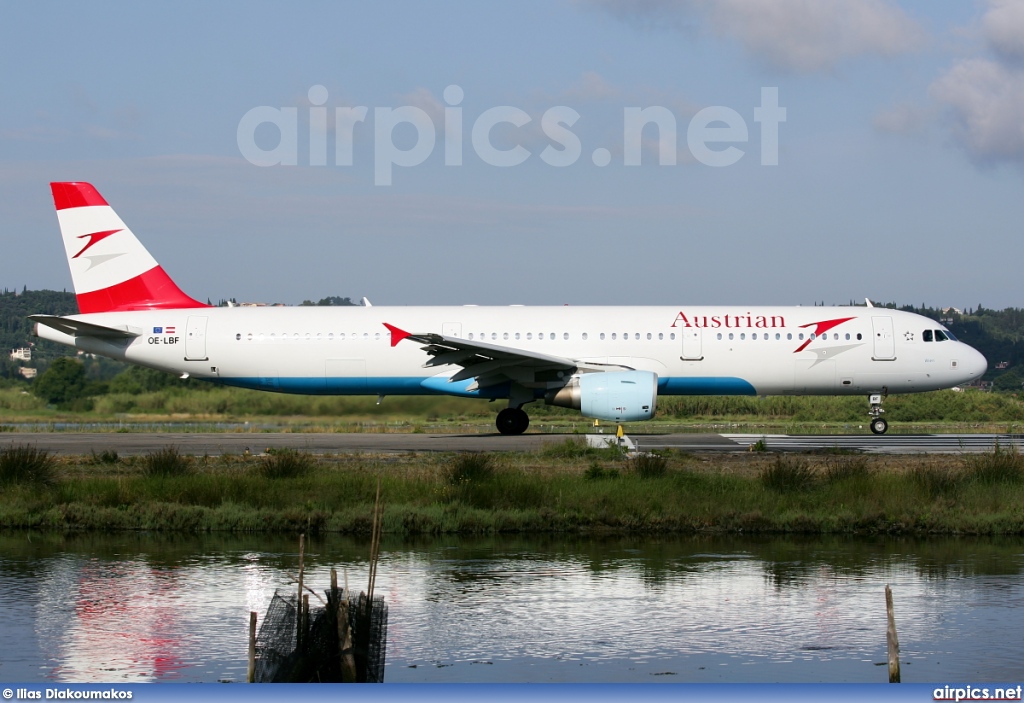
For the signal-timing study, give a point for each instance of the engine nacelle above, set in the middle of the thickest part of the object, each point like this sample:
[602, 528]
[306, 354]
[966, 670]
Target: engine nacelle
[617, 396]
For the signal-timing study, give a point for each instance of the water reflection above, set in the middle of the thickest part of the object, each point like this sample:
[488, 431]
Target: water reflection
[141, 607]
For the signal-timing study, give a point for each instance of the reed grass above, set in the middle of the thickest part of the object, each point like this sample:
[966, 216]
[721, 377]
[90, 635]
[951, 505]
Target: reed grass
[25, 463]
[483, 493]
[1001, 465]
[647, 465]
[846, 467]
[287, 463]
[413, 412]
[787, 474]
[167, 461]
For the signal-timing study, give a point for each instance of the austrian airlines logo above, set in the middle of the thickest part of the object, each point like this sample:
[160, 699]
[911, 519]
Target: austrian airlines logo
[819, 329]
[94, 238]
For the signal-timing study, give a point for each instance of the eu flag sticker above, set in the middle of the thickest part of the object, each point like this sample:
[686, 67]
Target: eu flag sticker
[158, 330]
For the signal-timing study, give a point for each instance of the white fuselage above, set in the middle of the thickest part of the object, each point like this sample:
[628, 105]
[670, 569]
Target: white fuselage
[692, 350]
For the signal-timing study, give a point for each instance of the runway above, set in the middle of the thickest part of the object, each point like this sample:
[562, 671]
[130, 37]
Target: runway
[213, 444]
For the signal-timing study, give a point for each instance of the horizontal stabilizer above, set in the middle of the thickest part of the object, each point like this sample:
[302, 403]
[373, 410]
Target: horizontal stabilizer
[77, 328]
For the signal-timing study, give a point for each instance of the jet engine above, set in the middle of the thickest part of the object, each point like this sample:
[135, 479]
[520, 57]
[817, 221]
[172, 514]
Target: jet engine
[617, 396]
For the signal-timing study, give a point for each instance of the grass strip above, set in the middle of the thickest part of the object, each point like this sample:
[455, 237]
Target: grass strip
[564, 488]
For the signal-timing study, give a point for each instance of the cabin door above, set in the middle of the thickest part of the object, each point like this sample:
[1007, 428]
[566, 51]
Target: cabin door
[692, 346]
[195, 338]
[885, 343]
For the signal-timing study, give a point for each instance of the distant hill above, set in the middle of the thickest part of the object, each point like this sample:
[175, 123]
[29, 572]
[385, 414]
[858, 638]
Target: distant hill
[16, 328]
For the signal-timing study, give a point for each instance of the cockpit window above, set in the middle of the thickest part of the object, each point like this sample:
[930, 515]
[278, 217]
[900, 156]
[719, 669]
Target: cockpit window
[940, 336]
[949, 335]
[926, 335]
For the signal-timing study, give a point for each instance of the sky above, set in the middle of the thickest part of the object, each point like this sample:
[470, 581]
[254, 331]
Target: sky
[584, 152]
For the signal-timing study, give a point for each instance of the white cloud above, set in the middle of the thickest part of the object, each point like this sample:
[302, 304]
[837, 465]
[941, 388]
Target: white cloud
[804, 36]
[35, 133]
[1003, 28]
[983, 95]
[903, 118]
[107, 134]
[425, 100]
[591, 86]
[985, 102]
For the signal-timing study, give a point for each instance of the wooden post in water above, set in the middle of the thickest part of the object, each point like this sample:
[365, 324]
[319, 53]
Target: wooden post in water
[251, 675]
[346, 654]
[378, 519]
[298, 598]
[892, 640]
[305, 620]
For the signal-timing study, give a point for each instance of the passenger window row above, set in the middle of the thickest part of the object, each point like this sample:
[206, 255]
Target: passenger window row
[309, 337]
[790, 336]
[928, 336]
[494, 336]
[551, 336]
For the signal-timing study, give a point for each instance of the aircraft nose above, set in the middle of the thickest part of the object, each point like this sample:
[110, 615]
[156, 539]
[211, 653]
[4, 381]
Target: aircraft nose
[974, 363]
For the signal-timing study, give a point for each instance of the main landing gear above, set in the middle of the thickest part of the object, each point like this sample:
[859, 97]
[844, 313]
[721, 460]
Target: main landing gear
[512, 421]
[878, 424]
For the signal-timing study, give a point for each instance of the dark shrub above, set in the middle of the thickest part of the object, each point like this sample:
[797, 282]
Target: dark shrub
[475, 467]
[936, 480]
[107, 456]
[24, 463]
[595, 471]
[648, 465]
[287, 463]
[570, 448]
[167, 462]
[787, 474]
[997, 466]
[846, 468]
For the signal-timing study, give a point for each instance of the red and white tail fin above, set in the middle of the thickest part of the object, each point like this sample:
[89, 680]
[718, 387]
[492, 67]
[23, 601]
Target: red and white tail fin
[110, 268]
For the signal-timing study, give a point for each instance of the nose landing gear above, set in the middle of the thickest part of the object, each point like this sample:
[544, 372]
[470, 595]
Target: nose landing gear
[878, 424]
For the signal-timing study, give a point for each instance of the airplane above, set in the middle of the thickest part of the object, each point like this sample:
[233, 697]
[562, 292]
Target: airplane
[609, 363]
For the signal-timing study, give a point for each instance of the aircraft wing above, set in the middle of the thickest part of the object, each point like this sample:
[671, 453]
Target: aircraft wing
[489, 364]
[77, 328]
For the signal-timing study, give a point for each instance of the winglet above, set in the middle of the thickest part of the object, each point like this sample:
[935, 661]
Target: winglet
[397, 335]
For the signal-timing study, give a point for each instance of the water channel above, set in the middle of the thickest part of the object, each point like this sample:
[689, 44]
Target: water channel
[136, 607]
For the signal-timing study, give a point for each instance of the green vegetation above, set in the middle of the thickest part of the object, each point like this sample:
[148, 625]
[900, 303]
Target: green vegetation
[1001, 466]
[787, 474]
[107, 456]
[937, 406]
[465, 468]
[64, 384]
[287, 463]
[970, 411]
[25, 464]
[647, 465]
[489, 493]
[166, 463]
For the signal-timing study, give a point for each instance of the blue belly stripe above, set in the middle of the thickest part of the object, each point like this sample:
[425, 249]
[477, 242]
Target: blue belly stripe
[432, 385]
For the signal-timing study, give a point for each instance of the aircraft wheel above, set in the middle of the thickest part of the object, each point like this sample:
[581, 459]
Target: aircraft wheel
[879, 426]
[512, 421]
